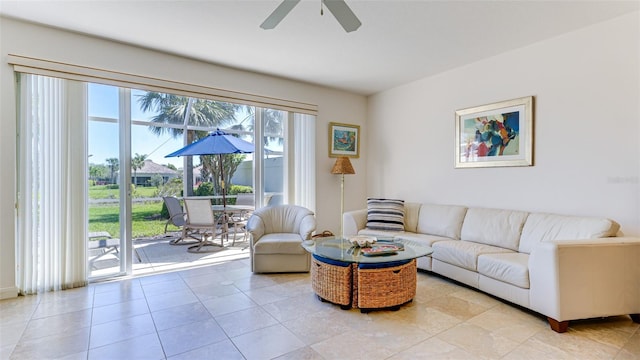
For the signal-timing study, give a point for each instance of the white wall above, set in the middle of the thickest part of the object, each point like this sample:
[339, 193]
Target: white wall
[26, 39]
[587, 129]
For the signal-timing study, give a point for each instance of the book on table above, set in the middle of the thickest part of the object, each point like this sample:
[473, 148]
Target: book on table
[381, 249]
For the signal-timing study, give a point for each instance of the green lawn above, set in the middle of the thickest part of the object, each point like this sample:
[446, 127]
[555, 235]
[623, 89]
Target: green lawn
[146, 219]
[102, 192]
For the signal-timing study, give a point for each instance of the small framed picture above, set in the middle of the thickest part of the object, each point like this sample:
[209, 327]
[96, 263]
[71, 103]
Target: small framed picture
[344, 140]
[498, 134]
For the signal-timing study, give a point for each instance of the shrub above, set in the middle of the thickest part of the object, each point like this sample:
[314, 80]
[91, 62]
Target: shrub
[156, 180]
[172, 187]
[239, 189]
[205, 189]
[164, 212]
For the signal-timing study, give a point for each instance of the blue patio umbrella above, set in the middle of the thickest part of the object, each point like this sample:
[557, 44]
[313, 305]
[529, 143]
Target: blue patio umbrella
[216, 143]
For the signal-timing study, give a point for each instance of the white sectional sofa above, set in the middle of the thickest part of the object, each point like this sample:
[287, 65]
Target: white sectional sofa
[564, 267]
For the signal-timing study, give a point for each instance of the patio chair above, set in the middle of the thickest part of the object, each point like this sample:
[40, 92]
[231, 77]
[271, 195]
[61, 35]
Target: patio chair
[250, 199]
[102, 241]
[245, 199]
[177, 217]
[200, 218]
[239, 219]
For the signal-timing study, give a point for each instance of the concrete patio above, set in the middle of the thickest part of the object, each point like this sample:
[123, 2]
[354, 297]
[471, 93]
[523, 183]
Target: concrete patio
[158, 255]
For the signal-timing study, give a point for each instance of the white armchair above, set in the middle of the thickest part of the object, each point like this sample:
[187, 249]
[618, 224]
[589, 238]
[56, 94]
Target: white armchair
[277, 233]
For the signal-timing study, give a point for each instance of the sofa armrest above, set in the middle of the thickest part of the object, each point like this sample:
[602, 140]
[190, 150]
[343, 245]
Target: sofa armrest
[354, 221]
[580, 279]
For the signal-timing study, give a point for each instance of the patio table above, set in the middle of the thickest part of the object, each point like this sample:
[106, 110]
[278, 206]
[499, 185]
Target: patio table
[226, 212]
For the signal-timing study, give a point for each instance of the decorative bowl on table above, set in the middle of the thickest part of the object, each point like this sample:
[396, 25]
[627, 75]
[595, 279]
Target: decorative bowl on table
[362, 240]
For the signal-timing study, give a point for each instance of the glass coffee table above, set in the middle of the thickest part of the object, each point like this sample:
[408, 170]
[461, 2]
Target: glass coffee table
[377, 277]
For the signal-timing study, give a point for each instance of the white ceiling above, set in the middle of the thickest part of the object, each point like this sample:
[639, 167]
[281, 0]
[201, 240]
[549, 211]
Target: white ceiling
[399, 41]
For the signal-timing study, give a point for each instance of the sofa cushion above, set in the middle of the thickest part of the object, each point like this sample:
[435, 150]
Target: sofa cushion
[511, 268]
[463, 253]
[385, 214]
[441, 220]
[541, 227]
[382, 234]
[411, 212]
[496, 227]
[424, 239]
[279, 243]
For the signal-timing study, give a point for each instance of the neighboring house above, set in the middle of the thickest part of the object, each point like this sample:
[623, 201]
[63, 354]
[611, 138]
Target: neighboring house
[149, 169]
[197, 175]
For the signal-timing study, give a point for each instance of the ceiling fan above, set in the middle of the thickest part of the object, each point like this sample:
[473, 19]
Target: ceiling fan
[338, 8]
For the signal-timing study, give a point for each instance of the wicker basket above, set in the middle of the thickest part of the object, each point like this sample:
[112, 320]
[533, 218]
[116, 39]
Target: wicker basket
[386, 287]
[331, 283]
[354, 285]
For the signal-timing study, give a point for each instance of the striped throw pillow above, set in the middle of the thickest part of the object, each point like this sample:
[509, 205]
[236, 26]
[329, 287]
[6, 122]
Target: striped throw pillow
[385, 214]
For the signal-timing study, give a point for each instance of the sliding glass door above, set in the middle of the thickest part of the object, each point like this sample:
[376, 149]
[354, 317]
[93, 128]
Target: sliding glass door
[274, 159]
[105, 239]
[124, 135]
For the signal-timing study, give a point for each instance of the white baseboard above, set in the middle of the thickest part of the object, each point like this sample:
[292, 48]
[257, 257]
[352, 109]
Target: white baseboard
[8, 292]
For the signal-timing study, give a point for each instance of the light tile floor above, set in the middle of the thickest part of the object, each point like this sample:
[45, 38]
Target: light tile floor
[223, 311]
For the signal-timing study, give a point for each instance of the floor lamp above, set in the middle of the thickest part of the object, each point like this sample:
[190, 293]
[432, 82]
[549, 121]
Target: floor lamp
[342, 166]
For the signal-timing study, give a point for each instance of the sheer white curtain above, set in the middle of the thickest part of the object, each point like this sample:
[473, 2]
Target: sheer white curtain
[304, 127]
[52, 210]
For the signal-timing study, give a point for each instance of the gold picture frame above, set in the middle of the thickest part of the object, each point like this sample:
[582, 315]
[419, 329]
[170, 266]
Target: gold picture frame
[344, 140]
[493, 135]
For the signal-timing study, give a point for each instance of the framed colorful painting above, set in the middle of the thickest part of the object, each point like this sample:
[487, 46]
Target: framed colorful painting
[498, 134]
[344, 140]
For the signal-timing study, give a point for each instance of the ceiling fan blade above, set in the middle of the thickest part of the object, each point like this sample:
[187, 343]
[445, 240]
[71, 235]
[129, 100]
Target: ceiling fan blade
[343, 14]
[278, 14]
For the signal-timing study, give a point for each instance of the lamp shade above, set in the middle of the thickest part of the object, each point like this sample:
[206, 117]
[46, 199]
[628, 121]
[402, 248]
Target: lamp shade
[343, 166]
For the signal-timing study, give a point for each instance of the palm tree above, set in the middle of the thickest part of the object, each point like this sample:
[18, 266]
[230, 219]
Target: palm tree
[114, 166]
[273, 120]
[173, 110]
[97, 171]
[273, 130]
[137, 163]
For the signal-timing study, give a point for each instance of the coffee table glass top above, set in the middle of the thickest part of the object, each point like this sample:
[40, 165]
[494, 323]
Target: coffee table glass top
[342, 250]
